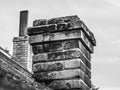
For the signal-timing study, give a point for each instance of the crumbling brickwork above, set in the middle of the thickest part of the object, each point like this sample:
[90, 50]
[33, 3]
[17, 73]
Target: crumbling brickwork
[62, 49]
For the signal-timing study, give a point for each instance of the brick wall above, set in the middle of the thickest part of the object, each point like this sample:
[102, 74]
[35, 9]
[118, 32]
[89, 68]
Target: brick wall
[21, 50]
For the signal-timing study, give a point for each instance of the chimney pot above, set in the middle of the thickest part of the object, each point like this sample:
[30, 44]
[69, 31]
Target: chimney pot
[23, 23]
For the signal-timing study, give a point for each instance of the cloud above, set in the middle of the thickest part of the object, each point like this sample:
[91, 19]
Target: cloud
[110, 88]
[105, 72]
[114, 2]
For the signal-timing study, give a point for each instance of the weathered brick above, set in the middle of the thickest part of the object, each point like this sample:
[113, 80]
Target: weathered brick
[56, 20]
[61, 65]
[80, 25]
[65, 23]
[92, 38]
[39, 22]
[85, 52]
[61, 55]
[47, 47]
[64, 74]
[63, 19]
[74, 84]
[41, 29]
[20, 52]
[55, 36]
[37, 38]
[59, 36]
[88, 45]
[62, 26]
[17, 39]
[37, 30]
[60, 45]
[85, 69]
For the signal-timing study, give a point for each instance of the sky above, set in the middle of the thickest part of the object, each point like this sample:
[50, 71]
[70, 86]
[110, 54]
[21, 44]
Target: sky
[101, 16]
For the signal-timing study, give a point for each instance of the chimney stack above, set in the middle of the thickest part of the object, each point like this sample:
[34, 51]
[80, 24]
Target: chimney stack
[23, 23]
[21, 47]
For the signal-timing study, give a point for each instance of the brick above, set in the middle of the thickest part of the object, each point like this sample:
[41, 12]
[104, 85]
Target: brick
[37, 38]
[55, 20]
[55, 36]
[75, 24]
[59, 36]
[37, 30]
[93, 38]
[74, 84]
[20, 53]
[41, 29]
[60, 45]
[66, 24]
[47, 47]
[61, 65]
[85, 52]
[85, 69]
[80, 24]
[64, 74]
[39, 22]
[63, 19]
[88, 45]
[61, 55]
[61, 26]
[24, 39]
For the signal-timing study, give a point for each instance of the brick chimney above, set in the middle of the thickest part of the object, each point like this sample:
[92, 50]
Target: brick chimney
[21, 47]
[62, 49]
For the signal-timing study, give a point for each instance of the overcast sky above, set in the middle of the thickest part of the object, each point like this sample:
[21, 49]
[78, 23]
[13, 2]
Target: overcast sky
[101, 16]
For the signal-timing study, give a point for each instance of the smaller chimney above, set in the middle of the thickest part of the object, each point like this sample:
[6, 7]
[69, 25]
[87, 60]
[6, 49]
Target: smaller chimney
[23, 23]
